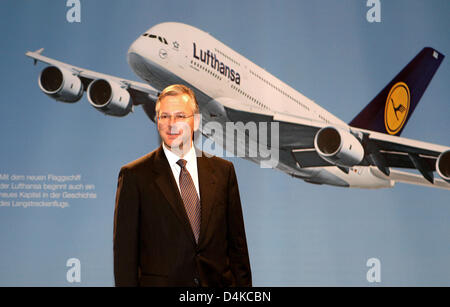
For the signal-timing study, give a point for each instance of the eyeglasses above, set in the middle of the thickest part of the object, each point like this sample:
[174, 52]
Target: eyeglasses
[176, 117]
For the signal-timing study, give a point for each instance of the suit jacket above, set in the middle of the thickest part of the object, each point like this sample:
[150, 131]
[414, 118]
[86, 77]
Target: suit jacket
[153, 241]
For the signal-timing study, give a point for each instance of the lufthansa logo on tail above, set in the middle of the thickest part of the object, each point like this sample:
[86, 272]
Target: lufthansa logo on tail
[397, 107]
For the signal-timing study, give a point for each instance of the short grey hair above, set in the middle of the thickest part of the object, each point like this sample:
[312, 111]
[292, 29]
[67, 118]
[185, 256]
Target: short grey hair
[175, 90]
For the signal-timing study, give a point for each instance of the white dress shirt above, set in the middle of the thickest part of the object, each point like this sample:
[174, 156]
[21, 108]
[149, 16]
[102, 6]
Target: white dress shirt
[191, 166]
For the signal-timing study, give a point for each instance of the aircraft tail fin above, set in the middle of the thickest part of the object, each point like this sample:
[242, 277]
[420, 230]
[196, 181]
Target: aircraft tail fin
[391, 109]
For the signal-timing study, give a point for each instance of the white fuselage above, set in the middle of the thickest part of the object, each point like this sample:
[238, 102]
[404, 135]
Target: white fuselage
[178, 53]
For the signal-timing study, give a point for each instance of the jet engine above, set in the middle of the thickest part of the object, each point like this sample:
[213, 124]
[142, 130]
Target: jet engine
[109, 97]
[443, 165]
[60, 84]
[338, 147]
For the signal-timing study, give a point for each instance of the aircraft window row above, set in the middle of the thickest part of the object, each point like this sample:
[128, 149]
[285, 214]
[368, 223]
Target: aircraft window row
[211, 72]
[161, 39]
[249, 97]
[229, 58]
[279, 90]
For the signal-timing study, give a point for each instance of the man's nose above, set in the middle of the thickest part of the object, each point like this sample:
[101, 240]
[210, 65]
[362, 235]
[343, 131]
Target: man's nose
[172, 120]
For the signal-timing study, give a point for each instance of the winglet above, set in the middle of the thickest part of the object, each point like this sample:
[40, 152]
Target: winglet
[39, 51]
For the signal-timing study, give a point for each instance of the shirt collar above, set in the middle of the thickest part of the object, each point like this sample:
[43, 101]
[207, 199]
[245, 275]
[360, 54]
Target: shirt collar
[190, 156]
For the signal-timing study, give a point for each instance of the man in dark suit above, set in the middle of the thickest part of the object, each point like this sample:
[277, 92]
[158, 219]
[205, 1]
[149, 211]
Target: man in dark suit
[178, 217]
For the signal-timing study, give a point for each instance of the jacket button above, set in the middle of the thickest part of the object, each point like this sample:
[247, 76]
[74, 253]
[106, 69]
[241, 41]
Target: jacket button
[196, 281]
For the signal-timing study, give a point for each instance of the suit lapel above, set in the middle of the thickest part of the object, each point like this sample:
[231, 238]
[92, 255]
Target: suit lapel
[207, 186]
[168, 186]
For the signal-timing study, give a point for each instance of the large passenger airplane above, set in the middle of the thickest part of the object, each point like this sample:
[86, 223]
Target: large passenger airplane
[313, 144]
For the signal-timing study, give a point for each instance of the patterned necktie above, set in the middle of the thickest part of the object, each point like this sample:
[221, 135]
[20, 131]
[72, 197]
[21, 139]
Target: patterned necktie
[190, 198]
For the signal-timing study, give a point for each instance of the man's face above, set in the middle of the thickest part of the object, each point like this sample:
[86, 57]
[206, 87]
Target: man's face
[176, 133]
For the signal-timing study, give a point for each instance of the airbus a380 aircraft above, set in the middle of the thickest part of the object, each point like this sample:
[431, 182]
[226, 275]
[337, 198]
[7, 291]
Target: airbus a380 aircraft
[313, 144]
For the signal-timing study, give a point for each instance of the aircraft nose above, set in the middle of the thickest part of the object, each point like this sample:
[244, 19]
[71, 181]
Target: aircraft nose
[137, 46]
[136, 52]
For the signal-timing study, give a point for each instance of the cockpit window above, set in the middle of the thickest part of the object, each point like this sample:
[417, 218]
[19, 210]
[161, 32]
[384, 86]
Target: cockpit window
[161, 39]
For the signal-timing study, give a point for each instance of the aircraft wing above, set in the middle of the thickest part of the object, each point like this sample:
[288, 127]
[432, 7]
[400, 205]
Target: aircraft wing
[382, 151]
[410, 178]
[385, 151]
[141, 93]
